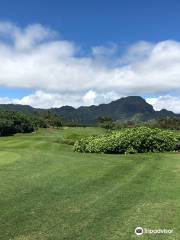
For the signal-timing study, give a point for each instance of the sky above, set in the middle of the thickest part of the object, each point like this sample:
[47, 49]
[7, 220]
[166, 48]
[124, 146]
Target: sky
[55, 53]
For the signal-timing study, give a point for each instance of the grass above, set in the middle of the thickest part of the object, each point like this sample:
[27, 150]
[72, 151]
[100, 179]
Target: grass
[48, 192]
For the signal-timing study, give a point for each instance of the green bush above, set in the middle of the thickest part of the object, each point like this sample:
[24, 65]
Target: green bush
[141, 139]
[14, 122]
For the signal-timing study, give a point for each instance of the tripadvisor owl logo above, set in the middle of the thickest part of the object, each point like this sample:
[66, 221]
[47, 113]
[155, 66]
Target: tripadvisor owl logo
[139, 231]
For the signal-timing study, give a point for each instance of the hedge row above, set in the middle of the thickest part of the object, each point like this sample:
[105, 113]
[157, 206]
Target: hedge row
[141, 139]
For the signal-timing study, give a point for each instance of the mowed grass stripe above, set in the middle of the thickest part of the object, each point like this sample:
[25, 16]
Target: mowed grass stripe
[53, 193]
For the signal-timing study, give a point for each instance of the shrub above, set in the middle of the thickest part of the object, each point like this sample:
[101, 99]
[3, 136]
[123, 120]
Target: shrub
[14, 122]
[141, 139]
[131, 150]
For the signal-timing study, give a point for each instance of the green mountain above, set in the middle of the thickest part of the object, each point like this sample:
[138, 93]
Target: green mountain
[128, 108]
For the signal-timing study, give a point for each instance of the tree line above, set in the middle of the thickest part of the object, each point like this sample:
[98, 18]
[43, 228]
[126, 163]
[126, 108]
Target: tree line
[12, 122]
[171, 123]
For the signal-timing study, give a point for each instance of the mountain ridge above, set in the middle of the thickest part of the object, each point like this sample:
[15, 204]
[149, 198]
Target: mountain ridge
[127, 108]
[133, 108]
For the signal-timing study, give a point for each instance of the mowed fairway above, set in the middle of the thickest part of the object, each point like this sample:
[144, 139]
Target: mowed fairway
[47, 191]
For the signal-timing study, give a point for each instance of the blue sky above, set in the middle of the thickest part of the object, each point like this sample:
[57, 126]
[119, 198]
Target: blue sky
[113, 44]
[97, 22]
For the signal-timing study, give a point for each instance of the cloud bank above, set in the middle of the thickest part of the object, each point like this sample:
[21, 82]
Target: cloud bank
[167, 102]
[36, 57]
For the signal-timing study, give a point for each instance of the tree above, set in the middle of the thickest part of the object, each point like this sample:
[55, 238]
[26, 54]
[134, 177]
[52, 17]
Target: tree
[105, 122]
[56, 122]
[168, 123]
[12, 122]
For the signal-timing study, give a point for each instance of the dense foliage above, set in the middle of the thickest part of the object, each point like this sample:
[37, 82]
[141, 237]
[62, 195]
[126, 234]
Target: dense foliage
[168, 123]
[13, 122]
[48, 119]
[141, 139]
[105, 122]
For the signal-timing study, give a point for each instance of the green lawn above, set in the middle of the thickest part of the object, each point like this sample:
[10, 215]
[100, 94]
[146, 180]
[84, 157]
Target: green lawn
[47, 191]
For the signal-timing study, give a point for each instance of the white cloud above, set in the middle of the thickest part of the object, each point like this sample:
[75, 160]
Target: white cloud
[6, 100]
[36, 57]
[166, 102]
[100, 51]
[89, 98]
[24, 39]
[41, 99]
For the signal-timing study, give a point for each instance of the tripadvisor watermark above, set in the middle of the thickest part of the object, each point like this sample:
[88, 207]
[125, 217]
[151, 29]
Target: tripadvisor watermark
[140, 231]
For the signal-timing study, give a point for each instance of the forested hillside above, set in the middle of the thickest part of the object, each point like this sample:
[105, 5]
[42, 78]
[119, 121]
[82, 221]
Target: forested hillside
[133, 108]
